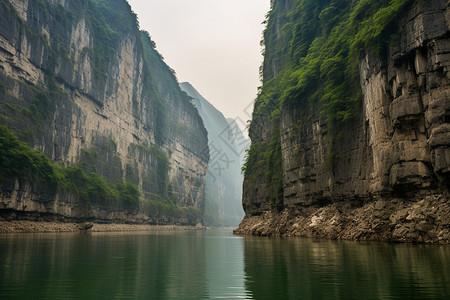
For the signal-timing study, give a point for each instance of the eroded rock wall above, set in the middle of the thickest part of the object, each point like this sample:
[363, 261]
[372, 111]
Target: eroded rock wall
[37, 202]
[81, 84]
[396, 146]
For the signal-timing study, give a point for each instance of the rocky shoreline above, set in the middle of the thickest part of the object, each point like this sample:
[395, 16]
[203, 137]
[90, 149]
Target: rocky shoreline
[394, 220]
[19, 226]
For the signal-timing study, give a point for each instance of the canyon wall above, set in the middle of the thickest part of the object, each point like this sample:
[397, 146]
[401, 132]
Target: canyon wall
[80, 83]
[352, 179]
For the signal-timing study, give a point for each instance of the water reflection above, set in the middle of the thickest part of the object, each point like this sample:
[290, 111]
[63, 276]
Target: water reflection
[156, 265]
[216, 265]
[308, 269]
[225, 266]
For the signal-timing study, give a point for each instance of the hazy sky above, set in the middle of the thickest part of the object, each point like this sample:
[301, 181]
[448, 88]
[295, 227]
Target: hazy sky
[213, 44]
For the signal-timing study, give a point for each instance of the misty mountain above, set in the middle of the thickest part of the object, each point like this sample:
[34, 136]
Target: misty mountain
[227, 144]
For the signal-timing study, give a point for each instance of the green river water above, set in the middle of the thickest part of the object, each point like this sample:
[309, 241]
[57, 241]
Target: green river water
[214, 264]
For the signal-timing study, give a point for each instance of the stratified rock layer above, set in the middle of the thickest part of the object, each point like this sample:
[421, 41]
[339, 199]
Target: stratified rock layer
[395, 151]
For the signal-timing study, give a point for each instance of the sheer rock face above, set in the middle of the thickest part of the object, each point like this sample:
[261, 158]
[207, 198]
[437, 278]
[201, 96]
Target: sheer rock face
[399, 144]
[106, 115]
[407, 105]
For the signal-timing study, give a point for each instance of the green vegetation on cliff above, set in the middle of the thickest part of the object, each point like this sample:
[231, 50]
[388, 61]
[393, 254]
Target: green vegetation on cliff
[19, 161]
[311, 57]
[312, 51]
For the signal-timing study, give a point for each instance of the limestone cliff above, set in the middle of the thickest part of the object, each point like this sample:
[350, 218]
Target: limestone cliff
[226, 149]
[80, 83]
[362, 156]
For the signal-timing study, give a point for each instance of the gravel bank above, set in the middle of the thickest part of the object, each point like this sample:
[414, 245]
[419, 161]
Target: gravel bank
[42, 227]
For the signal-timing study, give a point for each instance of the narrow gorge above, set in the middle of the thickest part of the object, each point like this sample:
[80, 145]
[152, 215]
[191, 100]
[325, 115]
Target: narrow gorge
[81, 84]
[227, 144]
[350, 132]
